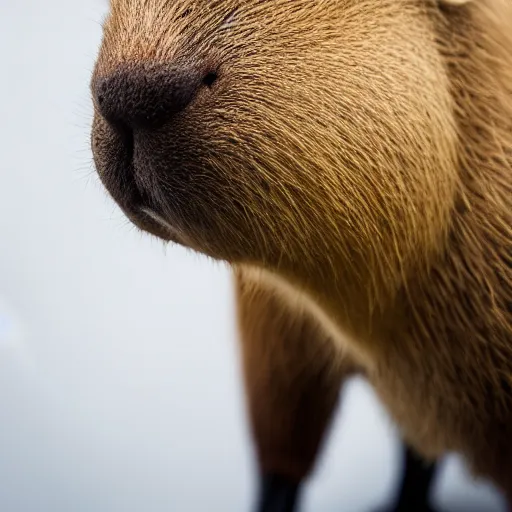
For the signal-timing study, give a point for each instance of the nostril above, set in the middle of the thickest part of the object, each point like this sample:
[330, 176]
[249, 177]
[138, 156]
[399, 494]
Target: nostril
[210, 79]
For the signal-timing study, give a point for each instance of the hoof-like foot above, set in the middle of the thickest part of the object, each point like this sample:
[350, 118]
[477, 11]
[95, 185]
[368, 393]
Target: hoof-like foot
[407, 508]
[278, 495]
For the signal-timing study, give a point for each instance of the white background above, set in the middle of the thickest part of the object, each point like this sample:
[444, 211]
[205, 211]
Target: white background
[119, 383]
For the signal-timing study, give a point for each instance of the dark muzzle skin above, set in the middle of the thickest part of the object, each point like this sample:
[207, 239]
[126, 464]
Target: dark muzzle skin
[134, 102]
[146, 96]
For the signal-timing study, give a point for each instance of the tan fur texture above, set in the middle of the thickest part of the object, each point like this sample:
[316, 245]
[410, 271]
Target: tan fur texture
[359, 154]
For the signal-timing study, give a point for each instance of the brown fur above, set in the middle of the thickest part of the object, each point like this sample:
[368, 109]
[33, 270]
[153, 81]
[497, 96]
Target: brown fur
[353, 162]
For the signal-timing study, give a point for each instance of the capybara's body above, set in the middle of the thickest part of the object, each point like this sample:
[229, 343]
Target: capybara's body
[352, 161]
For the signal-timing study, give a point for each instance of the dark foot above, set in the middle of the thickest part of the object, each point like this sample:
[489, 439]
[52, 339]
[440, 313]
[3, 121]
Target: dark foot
[278, 495]
[401, 509]
[417, 480]
[408, 508]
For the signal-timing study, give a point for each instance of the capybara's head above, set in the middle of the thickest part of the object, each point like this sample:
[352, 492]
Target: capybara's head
[286, 133]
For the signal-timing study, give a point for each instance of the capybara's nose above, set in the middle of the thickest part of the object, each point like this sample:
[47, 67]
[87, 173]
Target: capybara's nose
[147, 95]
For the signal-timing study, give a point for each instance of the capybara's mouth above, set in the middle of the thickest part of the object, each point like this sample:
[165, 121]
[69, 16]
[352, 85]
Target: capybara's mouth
[113, 150]
[146, 180]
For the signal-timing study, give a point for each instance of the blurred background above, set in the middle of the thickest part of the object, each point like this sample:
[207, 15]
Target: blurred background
[120, 388]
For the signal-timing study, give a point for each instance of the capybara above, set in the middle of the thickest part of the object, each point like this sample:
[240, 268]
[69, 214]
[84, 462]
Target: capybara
[351, 160]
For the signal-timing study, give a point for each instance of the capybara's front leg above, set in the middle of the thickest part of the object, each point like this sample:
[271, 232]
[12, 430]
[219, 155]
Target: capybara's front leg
[293, 374]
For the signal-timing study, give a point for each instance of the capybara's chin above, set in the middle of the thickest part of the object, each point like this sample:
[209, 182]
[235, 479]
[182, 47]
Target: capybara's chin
[164, 182]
